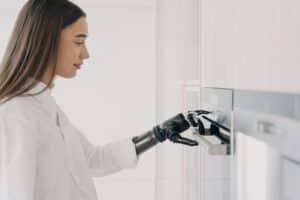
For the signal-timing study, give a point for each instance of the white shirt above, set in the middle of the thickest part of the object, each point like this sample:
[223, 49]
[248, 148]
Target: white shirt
[44, 157]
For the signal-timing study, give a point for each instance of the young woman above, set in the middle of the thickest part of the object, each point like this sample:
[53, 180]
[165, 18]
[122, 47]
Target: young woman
[42, 155]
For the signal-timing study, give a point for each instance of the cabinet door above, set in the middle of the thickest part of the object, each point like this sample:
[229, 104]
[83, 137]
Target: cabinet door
[285, 71]
[267, 43]
[257, 171]
[216, 43]
[257, 42]
[251, 44]
[290, 178]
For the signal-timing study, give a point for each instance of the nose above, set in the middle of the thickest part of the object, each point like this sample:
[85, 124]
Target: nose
[84, 53]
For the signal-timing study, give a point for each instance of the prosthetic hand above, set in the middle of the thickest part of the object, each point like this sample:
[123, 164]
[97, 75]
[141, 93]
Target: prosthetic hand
[170, 129]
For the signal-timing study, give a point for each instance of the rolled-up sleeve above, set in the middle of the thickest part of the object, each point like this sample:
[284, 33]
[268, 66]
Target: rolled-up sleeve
[18, 159]
[109, 158]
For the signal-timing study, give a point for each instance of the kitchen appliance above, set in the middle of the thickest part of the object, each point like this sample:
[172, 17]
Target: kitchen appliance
[266, 157]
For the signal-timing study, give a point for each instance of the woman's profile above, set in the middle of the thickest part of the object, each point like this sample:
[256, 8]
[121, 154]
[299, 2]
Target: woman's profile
[43, 156]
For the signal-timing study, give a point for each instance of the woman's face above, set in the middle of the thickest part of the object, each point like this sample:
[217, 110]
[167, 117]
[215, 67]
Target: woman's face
[72, 50]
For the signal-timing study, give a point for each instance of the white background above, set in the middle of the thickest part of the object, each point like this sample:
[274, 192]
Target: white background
[113, 95]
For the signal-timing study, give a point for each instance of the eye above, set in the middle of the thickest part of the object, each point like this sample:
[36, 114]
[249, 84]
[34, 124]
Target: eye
[79, 43]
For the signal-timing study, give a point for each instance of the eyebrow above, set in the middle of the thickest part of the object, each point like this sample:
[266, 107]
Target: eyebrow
[81, 35]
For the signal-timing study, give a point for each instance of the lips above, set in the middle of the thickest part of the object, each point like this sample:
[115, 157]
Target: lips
[78, 66]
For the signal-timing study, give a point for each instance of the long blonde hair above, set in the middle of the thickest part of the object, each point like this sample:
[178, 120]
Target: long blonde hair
[34, 44]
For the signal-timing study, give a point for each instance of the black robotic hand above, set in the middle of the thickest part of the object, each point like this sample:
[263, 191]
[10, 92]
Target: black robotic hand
[170, 129]
[173, 127]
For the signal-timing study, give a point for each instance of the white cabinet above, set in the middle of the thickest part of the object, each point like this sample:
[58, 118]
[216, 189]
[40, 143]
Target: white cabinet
[257, 39]
[263, 173]
[285, 74]
[217, 43]
[251, 44]
[257, 173]
[267, 44]
[291, 177]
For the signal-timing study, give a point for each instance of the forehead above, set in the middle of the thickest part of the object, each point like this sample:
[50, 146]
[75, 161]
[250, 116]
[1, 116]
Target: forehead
[79, 29]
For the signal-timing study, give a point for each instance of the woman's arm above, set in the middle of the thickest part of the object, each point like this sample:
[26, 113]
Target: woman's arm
[18, 158]
[109, 158]
[113, 157]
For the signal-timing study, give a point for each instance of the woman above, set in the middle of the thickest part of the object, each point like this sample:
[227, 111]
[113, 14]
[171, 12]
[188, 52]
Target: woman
[43, 156]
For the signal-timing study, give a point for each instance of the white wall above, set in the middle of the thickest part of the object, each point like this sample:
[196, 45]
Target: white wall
[117, 87]
[113, 95]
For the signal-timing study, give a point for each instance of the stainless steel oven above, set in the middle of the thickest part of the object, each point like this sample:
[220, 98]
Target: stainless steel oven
[266, 158]
[250, 148]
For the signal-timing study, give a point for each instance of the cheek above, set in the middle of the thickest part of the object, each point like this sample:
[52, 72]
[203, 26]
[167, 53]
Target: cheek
[67, 56]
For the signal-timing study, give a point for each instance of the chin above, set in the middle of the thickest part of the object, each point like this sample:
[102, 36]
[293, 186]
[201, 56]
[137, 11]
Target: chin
[68, 76]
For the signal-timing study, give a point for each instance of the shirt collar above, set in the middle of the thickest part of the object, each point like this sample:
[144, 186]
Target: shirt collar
[45, 99]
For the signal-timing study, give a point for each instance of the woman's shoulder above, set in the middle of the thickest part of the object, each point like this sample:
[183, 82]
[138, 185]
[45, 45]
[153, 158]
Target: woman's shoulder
[19, 107]
[18, 120]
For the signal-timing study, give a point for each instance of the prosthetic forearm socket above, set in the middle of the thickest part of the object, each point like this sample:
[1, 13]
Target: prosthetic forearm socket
[145, 141]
